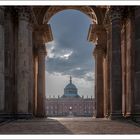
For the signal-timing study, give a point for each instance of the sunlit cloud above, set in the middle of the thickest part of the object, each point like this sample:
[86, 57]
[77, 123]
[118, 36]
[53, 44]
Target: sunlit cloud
[67, 55]
[62, 54]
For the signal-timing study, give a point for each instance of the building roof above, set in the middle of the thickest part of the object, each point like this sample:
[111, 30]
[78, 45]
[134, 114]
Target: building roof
[70, 91]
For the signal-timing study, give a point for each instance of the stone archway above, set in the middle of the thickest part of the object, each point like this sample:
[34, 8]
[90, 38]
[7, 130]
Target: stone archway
[97, 35]
[23, 34]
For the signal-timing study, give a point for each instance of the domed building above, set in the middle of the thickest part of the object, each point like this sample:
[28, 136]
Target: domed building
[70, 91]
[70, 103]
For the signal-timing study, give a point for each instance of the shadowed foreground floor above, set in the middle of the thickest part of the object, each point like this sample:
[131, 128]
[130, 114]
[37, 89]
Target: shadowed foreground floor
[68, 126]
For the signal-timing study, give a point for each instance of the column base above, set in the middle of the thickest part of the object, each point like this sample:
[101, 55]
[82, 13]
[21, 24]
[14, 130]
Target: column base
[116, 116]
[99, 116]
[136, 117]
[16, 116]
[24, 115]
[41, 115]
[6, 116]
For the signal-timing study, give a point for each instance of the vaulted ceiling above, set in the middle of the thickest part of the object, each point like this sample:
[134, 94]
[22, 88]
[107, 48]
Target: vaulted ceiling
[44, 13]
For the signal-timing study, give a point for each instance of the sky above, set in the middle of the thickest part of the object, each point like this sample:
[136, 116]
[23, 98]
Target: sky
[70, 54]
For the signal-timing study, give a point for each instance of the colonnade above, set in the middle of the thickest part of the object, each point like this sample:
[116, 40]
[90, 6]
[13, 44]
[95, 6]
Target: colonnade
[29, 52]
[117, 62]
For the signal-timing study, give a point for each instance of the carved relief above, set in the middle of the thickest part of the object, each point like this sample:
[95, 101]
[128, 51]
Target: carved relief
[24, 13]
[115, 12]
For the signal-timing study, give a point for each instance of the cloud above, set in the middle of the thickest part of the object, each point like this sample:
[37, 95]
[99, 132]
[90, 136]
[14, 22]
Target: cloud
[70, 53]
[55, 88]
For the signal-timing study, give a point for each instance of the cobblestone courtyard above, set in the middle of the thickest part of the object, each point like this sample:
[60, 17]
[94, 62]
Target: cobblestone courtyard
[68, 126]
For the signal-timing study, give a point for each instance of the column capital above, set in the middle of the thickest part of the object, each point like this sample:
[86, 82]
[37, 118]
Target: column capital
[24, 12]
[98, 29]
[2, 8]
[97, 33]
[99, 50]
[42, 50]
[116, 12]
[43, 33]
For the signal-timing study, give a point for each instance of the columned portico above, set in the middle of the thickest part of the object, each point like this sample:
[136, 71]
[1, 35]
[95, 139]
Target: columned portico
[115, 65]
[24, 30]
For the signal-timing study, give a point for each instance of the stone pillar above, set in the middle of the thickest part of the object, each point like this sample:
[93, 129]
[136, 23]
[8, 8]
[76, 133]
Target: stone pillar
[107, 74]
[42, 35]
[115, 65]
[31, 72]
[35, 84]
[2, 60]
[136, 62]
[9, 61]
[129, 62]
[41, 112]
[123, 56]
[23, 63]
[99, 95]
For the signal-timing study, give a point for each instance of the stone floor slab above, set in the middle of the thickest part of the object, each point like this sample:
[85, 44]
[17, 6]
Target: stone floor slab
[68, 126]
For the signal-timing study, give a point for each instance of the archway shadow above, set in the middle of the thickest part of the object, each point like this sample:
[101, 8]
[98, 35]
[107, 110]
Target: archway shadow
[34, 126]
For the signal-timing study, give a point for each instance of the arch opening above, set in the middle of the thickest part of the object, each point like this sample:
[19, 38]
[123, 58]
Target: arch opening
[65, 57]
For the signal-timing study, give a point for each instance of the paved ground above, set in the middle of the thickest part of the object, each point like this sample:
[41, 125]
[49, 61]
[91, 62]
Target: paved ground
[68, 126]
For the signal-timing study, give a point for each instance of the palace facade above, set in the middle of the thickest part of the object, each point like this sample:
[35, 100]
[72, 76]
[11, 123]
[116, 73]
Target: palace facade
[70, 104]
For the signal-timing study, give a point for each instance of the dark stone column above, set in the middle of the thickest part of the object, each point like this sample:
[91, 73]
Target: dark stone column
[31, 72]
[107, 82]
[41, 112]
[2, 60]
[115, 65]
[23, 63]
[136, 103]
[127, 49]
[42, 35]
[9, 61]
[99, 90]
[123, 56]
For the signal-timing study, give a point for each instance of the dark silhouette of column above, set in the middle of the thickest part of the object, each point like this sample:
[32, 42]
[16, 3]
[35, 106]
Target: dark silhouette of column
[2, 61]
[99, 90]
[23, 62]
[41, 112]
[115, 65]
